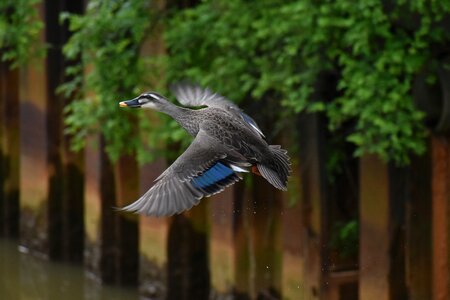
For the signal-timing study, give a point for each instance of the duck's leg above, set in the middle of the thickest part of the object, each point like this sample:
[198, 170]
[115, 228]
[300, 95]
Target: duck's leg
[255, 170]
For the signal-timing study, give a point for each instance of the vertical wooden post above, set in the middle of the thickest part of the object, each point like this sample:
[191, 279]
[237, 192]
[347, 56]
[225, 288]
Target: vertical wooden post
[374, 229]
[188, 259]
[383, 196]
[221, 242]
[106, 239]
[73, 208]
[65, 196]
[54, 132]
[293, 282]
[74, 171]
[153, 234]
[198, 272]
[99, 214]
[418, 227]
[3, 77]
[441, 212]
[241, 242]
[397, 199]
[33, 165]
[313, 175]
[127, 239]
[112, 237]
[257, 240]
[266, 240]
[9, 151]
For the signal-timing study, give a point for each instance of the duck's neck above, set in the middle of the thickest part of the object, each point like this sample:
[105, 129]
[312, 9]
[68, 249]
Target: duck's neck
[170, 109]
[183, 116]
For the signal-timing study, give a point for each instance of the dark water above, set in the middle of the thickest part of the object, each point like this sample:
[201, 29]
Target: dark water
[27, 277]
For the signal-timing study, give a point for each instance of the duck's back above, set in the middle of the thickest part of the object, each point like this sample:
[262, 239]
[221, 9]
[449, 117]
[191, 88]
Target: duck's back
[232, 131]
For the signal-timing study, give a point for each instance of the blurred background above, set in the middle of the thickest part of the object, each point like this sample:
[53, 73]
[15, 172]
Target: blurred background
[357, 91]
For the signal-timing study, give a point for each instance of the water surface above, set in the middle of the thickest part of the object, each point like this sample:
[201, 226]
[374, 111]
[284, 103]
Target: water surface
[24, 276]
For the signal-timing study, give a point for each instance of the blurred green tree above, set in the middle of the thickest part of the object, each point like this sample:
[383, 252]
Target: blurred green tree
[20, 28]
[257, 50]
[108, 38]
[246, 48]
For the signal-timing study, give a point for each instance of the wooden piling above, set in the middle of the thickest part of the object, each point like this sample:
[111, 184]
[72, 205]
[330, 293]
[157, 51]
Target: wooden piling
[293, 281]
[266, 239]
[383, 196]
[257, 241]
[440, 213]
[9, 151]
[374, 229]
[242, 288]
[398, 197]
[34, 171]
[112, 237]
[66, 182]
[314, 233]
[153, 235]
[221, 242]
[418, 252]
[188, 275]
[99, 215]
[127, 236]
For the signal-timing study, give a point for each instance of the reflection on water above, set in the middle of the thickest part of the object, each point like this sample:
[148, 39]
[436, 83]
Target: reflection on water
[24, 276]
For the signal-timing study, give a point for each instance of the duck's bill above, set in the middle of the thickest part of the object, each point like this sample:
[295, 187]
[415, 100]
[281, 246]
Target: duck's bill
[133, 103]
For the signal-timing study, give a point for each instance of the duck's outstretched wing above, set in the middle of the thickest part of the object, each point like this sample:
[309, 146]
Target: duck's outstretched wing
[204, 169]
[194, 95]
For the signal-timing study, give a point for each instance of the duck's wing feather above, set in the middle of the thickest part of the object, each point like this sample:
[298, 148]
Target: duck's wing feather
[202, 170]
[251, 122]
[194, 95]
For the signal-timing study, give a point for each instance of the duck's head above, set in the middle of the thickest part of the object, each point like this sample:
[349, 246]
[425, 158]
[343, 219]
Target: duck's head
[150, 100]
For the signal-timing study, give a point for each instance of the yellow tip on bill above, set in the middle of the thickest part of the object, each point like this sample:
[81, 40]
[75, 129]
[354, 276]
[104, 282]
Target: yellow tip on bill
[122, 104]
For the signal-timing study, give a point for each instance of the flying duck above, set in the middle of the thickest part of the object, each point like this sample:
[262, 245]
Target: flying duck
[226, 142]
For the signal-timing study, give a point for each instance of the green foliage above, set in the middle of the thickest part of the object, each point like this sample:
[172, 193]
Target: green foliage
[19, 31]
[378, 60]
[270, 49]
[108, 68]
[242, 48]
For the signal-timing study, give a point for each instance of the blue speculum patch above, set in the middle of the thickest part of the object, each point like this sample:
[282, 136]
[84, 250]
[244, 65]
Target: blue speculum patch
[213, 175]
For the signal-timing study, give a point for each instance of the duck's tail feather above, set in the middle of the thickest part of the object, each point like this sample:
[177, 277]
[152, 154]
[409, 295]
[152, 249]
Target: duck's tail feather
[276, 168]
